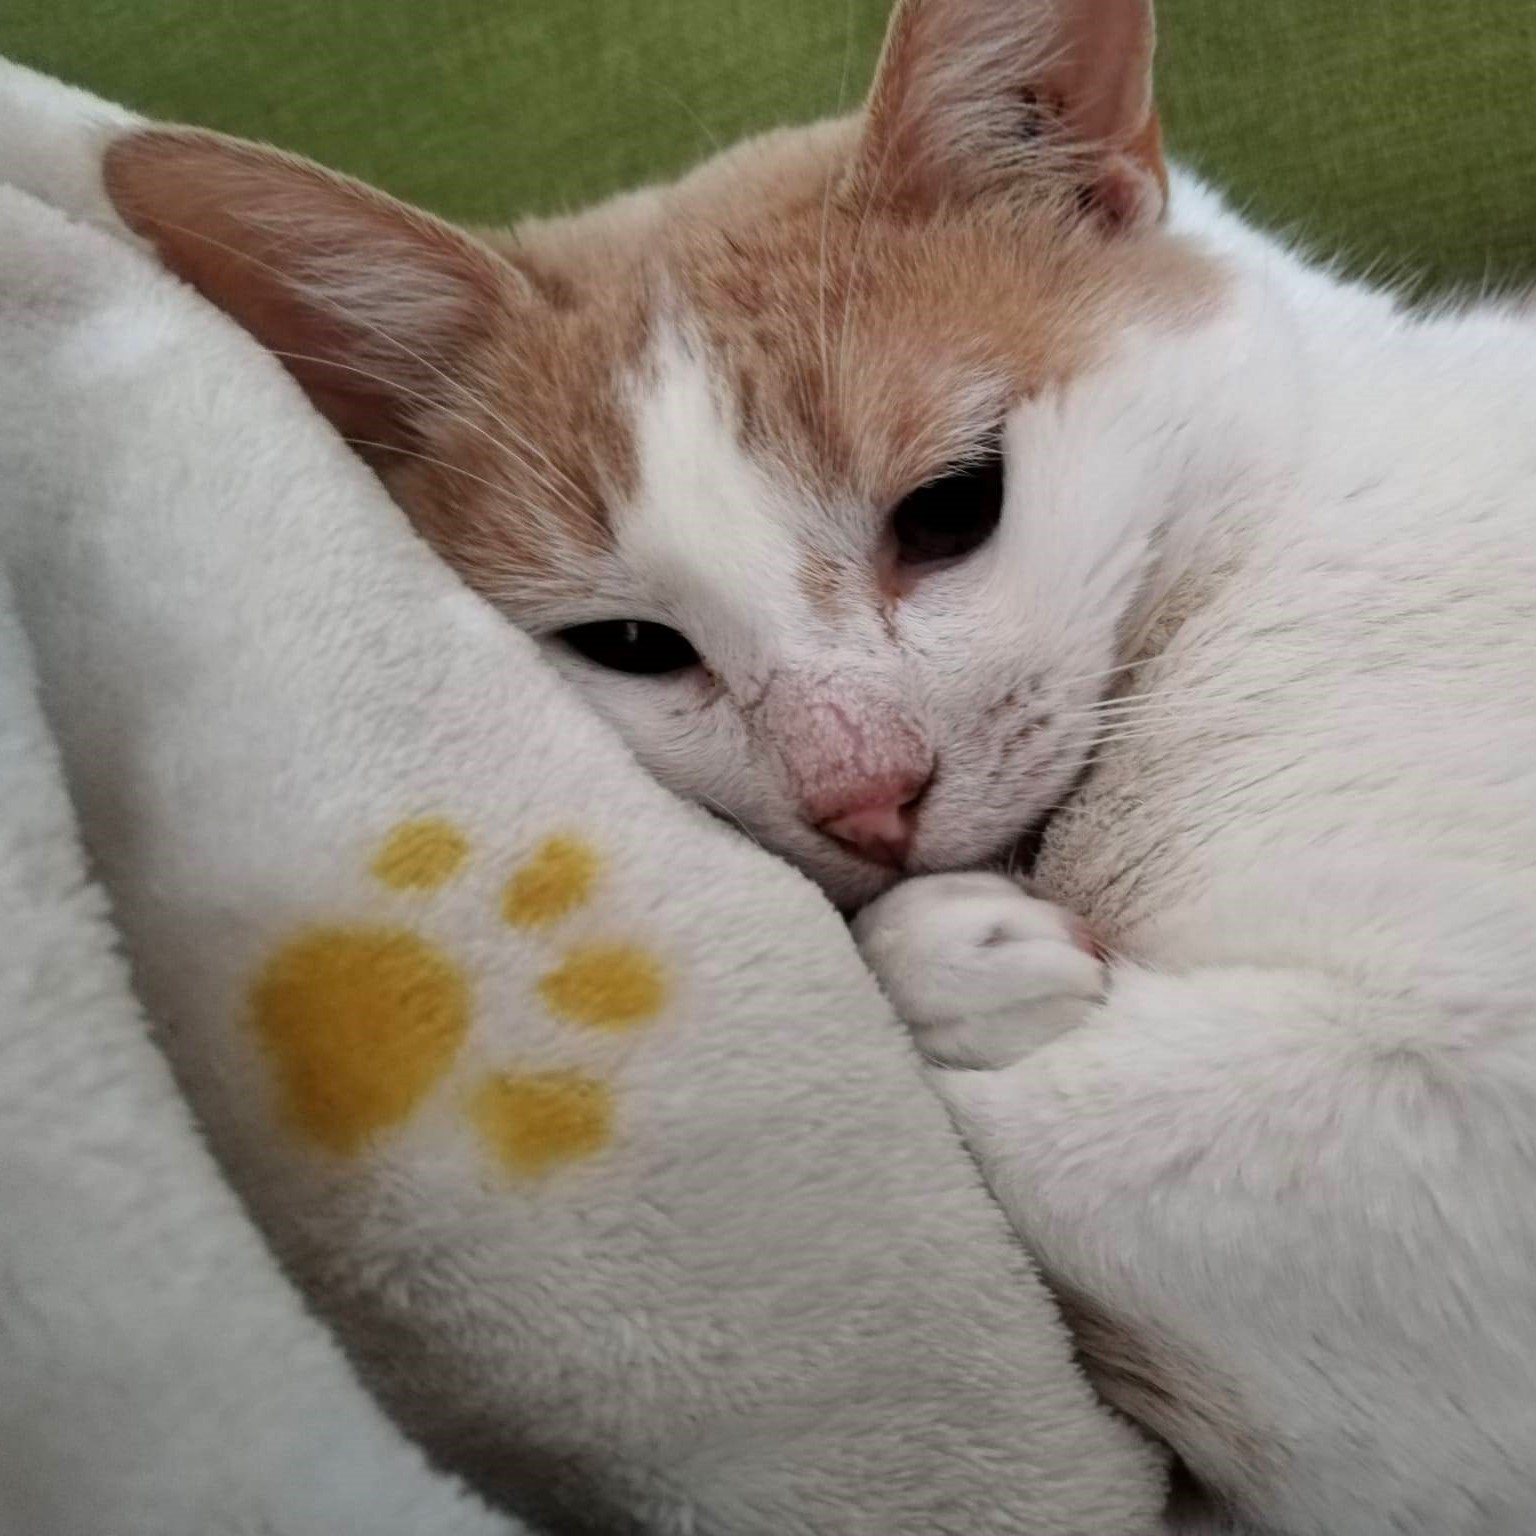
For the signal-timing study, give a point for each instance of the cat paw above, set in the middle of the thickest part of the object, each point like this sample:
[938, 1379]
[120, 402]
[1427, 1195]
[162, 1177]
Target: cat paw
[980, 971]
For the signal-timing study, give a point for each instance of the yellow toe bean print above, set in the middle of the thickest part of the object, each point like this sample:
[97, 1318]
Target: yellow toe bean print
[557, 879]
[420, 855]
[532, 1120]
[360, 1023]
[606, 986]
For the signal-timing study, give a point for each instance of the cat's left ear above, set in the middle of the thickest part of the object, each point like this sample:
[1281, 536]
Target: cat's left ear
[1015, 99]
[375, 307]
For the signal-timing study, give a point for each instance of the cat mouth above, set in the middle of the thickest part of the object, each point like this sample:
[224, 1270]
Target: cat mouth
[852, 877]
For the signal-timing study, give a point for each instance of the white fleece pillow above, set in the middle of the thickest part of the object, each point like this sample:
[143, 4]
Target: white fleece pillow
[575, 1114]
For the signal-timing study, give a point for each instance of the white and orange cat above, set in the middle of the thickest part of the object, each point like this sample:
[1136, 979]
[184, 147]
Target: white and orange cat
[894, 482]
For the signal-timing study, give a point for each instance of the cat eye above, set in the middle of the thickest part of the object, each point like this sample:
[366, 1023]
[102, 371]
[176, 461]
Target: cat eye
[952, 515]
[631, 645]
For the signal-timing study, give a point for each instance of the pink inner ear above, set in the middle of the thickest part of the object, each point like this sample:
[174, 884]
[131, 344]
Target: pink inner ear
[942, 120]
[1104, 83]
[1104, 79]
[1133, 188]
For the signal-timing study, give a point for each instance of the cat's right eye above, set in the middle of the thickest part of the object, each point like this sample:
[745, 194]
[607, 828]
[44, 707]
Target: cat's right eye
[631, 645]
[952, 515]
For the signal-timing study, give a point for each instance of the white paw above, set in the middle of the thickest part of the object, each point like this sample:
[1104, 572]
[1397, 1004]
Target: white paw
[981, 971]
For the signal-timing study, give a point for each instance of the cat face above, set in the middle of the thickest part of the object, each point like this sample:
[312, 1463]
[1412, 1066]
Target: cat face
[790, 467]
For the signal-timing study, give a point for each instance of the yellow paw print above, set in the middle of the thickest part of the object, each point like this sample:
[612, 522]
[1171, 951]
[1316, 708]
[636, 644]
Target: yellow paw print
[361, 1022]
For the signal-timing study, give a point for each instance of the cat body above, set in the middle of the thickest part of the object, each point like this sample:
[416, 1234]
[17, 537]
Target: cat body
[894, 483]
[1279, 1169]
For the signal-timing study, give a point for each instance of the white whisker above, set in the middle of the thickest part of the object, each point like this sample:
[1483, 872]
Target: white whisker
[1093, 677]
[826, 198]
[726, 814]
[337, 308]
[416, 394]
[427, 458]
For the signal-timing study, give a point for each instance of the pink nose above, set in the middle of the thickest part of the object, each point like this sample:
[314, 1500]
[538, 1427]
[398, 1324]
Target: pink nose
[878, 820]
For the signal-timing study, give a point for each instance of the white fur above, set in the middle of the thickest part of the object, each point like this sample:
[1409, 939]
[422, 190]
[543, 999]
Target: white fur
[1292, 1148]
[696, 479]
[1289, 1151]
[1288, 1157]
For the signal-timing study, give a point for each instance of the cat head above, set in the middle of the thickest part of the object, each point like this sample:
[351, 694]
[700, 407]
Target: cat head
[790, 466]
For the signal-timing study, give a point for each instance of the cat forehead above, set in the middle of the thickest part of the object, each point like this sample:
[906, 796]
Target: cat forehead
[848, 352]
[708, 531]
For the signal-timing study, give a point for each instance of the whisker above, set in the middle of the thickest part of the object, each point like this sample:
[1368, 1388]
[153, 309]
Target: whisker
[826, 197]
[426, 458]
[698, 121]
[1136, 722]
[1150, 710]
[1126, 738]
[1093, 677]
[1168, 698]
[1199, 700]
[854, 268]
[340, 310]
[726, 814]
[1145, 703]
[416, 394]
[1133, 701]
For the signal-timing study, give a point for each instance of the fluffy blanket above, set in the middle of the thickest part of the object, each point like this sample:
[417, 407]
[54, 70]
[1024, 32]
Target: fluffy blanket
[573, 1118]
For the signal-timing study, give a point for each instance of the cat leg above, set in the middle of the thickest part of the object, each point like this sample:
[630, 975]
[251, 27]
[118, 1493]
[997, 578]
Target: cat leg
[1295, 1235]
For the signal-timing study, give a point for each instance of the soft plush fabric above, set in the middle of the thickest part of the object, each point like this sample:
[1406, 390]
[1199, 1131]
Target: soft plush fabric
[158, 1376]
[1396, 132]
[574, 1113]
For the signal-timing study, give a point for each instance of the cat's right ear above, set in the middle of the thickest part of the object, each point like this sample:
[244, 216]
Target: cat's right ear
[1016, 100]
[374, 306]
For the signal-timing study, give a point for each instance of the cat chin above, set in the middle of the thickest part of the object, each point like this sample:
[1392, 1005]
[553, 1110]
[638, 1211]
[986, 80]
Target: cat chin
[852, 883]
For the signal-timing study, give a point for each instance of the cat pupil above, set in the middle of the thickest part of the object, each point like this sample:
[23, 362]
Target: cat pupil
[632, 645]
[952, 515]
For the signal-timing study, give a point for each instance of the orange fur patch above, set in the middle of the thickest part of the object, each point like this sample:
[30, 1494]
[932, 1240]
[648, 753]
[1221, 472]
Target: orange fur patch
[873, 292]
[860, 346]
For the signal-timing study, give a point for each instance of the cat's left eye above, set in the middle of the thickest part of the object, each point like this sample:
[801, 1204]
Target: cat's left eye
[631, 645]
[952, 515]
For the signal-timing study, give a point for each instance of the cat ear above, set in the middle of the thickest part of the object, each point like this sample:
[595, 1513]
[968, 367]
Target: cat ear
[989, 98]
[371, 304]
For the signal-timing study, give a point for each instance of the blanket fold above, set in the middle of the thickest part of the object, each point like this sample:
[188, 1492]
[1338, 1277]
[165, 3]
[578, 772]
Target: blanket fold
[574, 1116]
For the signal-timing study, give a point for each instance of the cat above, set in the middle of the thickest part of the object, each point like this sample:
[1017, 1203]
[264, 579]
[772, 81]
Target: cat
[903, 483]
